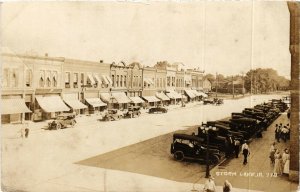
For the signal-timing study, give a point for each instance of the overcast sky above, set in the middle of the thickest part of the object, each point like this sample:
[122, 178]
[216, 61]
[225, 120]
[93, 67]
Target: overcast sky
[217, 41]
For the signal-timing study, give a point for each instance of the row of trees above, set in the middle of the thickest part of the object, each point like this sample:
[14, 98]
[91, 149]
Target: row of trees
[254, 81]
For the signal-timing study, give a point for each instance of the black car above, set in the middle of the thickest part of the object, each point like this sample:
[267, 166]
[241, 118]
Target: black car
[191, 147]
[158, 109]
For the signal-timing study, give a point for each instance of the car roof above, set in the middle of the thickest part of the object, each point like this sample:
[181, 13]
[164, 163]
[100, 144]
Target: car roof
[188, 137]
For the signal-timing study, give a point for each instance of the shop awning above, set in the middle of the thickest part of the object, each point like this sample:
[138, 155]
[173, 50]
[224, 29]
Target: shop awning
[97, 79]
[105, 97]
[203, 94]
[13, 106]
[95, 102]
[148, 81]
[151, 98]
[137, 100]
[196, 93]
[109, 79]
[91, 78]
[52, 104]
[174, 95]
[75, 103]
[121, 97]
[105, 79]
[162, 96]
[190, 93]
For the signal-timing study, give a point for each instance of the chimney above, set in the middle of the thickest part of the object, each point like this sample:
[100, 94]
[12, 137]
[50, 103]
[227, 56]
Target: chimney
[101, 61]
[46, 54]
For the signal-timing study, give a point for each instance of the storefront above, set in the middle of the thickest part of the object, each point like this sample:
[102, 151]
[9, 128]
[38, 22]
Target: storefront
[73, 102]
[137, 101]
[49, 107]
[95, 103]
[151, 101]
[120, 100]
[190, 95]
[174, 97]
[165, 99]
[12, 110]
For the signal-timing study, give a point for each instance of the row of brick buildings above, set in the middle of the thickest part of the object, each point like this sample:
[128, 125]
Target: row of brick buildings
[40, 87]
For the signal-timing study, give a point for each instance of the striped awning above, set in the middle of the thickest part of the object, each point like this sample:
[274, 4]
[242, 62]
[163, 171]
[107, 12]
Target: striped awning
[75, 103]
[91, 78]
[190, 94]
[105, 97]
[121, 97]
[162, 96]
[95, 102]
[13, 106]
[137, 100]
[52, 103]
[174, 95]
[151, 98]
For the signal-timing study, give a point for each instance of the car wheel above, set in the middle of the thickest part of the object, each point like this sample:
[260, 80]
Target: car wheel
[214, 159]
[178, 155]
[58, 126]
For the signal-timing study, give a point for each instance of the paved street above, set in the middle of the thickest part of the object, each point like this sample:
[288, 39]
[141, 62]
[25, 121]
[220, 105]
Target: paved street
[57, 153]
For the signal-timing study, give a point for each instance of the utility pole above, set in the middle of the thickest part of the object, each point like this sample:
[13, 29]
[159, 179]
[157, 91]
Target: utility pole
[232, 88]
[217, 84]
[243, 83]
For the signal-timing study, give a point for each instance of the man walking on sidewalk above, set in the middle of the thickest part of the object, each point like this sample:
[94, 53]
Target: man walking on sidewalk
[245, 151]
[236, 148]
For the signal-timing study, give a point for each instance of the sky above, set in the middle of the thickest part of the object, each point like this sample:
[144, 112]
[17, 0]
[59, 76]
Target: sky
[218, 37]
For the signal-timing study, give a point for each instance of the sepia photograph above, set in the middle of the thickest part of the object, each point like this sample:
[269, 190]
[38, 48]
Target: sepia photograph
[150, 96]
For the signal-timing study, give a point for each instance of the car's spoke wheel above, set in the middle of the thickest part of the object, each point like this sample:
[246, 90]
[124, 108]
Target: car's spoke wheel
[58, 126]
[213, 160]
[178, 155]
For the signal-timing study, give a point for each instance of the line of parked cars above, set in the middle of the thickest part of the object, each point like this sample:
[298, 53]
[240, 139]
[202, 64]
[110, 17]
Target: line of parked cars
[244, 126]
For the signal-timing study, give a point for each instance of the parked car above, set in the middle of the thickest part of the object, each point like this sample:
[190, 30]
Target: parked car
[62, 121]
[208, 101]
[134, 111]
[112, 115]
[191, 147]
[158, 109]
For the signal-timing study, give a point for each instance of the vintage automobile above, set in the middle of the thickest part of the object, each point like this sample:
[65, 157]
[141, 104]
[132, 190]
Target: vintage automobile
[191, 147]
[158, 109]
[112, 115]
[62, 121]
[208, 101]
[133, 111]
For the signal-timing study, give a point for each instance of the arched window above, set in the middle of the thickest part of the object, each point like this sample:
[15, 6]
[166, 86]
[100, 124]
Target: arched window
[28, 78]
[42, 79]
[54, 78]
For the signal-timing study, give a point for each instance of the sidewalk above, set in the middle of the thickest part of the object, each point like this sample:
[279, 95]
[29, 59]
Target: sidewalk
[256, 175]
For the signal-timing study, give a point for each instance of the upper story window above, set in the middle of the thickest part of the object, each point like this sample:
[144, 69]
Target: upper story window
[54, 78]
[168, 81]
[125, 81]
[140, 81]
[75, 80]
[14, 78]
[113, 80]
[117, 81]
[42, 79]
[48, 79]
[82, 78]
[121, 81]
[67, 80]
[28, 77]
[5, 78]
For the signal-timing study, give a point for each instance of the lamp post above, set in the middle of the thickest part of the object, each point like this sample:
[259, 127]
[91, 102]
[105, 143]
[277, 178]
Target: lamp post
[206, 131]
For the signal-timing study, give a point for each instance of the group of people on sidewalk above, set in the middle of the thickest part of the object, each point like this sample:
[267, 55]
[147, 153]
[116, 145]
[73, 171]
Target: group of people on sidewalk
[282, 132]
[280, 161]
[210, 186]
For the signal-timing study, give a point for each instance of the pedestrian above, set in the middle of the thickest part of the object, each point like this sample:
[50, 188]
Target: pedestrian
[246, 152]
[22, 131]
[227, 187]
[284, 133]
[277, 133]
[278, 163]
[26, 132]
[272, 153]
[286, 161]
[209, 185]
[237, 147]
